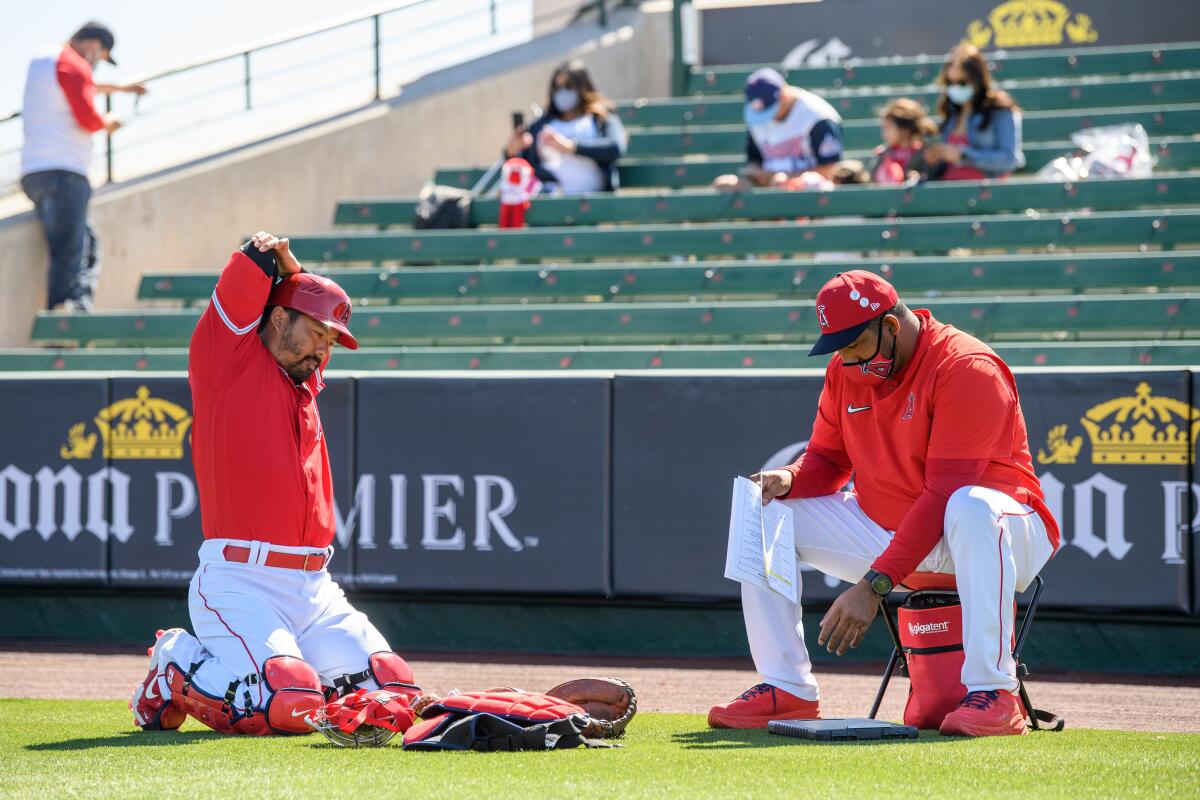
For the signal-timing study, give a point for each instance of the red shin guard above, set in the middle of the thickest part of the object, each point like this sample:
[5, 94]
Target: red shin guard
[290, 689]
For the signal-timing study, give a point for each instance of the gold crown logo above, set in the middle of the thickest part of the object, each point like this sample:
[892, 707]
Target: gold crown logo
[136, 427]
[1142, 429]
[1031, 23]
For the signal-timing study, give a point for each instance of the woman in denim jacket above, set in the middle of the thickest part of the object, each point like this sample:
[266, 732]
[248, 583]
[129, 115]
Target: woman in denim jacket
[981, 124]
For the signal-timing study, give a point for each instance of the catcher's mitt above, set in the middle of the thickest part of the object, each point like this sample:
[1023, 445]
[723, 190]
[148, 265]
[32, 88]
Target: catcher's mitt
[609, 702]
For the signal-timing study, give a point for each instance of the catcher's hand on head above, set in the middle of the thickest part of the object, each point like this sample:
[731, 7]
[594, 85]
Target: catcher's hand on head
[287, 261]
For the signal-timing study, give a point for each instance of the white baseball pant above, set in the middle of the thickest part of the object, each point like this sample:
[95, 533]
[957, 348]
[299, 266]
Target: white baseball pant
[994, 546]
[243, 614]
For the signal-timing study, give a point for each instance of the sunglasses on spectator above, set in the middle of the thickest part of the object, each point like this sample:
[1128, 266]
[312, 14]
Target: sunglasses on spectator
[958, 83]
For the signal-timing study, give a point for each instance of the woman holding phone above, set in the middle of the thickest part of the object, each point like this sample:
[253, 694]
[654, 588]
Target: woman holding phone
[574, 146]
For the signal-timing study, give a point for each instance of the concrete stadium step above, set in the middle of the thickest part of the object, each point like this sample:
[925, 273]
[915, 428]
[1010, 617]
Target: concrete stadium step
[1124, 60]
[1173, 153]
[1174, 228]
[1058, 272]
[769, 321]
[1035, 95]
[863, 134]
[630, 357]
[928, 199]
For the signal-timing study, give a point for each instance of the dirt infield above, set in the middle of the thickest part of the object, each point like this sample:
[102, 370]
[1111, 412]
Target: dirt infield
[690, 687]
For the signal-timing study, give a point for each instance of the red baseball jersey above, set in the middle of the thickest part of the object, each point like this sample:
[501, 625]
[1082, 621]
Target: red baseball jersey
[955, 399]
[261, 464]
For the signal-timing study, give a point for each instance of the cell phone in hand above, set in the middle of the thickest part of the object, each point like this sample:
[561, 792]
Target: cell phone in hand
[518, 120]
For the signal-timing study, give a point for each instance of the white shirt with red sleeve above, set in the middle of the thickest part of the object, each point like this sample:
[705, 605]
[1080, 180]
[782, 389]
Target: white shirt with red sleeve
[59, 114]
[262, 468]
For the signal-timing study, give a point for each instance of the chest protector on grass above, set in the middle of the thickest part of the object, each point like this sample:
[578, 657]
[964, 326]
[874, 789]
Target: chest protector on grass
[499, 720]
[931, 635]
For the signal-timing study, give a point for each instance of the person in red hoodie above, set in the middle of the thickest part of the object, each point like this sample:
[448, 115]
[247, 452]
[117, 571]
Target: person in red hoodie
[59, 117]
[904, 126]
[927, 421]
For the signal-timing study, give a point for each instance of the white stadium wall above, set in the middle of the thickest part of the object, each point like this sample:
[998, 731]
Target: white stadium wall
[190, 218]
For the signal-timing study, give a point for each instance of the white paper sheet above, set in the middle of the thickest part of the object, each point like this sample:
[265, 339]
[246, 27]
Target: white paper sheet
[762, 548]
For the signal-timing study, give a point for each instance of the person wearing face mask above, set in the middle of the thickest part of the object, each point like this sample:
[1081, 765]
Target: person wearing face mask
[574, 146]
[981, 124]
[59, 117]
[928, 422]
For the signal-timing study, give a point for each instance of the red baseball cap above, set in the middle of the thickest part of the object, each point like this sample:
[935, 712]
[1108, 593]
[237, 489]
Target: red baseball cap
[847, 304]
[319, 298]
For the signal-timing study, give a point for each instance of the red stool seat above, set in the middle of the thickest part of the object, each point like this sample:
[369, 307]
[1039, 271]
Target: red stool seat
[920, 581]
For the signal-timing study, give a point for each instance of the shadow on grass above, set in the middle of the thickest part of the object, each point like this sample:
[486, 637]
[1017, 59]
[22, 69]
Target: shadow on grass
[130, 739]
[731, 739]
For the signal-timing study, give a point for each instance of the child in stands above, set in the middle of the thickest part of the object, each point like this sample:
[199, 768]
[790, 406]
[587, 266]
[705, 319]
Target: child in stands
[904, 126]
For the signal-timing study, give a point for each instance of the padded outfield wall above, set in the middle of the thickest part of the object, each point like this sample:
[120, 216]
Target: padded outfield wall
[580, 486]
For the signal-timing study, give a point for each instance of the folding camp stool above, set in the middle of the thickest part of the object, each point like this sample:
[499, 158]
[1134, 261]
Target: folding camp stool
[935, 582]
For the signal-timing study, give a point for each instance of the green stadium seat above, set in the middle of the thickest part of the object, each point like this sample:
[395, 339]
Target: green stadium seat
[1173, 153]
[1039, 95]
[1055, 272]
[1014, 65]
[598, 292]
[767, 321]
[918, 235]
[930, 199]
[617, 357]
[1037, 127]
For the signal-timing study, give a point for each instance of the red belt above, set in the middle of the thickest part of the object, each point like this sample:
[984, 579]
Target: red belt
[309, 562]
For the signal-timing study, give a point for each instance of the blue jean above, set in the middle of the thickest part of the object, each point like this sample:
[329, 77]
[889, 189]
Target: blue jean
[60, 200]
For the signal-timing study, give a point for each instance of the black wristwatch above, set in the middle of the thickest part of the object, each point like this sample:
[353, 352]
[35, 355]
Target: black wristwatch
[880, 584]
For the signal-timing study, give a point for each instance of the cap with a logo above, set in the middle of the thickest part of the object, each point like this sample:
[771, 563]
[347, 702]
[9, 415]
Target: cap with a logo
[763, 88]
[100, 32]
[319, 298]
[846, 305]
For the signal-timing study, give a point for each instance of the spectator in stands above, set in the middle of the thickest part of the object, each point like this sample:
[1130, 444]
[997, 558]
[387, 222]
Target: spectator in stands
[904, 126]
[981, 125]
[59, 117]
[574, 146]
[789, 131]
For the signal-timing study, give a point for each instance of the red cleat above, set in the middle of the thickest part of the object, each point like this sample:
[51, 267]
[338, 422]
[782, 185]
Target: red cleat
[992, 713]
[760, 704]
[151, 711]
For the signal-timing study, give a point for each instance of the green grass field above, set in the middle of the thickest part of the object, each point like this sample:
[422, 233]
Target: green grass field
[51, 749]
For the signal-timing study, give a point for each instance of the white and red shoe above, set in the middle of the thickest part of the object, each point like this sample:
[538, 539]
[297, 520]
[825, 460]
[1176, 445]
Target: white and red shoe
[152, 710]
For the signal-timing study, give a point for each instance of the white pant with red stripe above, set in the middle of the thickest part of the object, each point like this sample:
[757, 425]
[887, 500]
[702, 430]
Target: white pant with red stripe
[993, 545]
[243, 614]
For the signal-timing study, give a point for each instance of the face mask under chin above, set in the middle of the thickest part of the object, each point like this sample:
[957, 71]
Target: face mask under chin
[874, 370]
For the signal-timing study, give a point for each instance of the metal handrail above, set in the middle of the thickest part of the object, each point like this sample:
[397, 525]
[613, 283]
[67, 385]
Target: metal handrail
[245, 53]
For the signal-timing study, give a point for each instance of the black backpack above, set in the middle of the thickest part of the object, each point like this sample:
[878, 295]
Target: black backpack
[442, 207]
